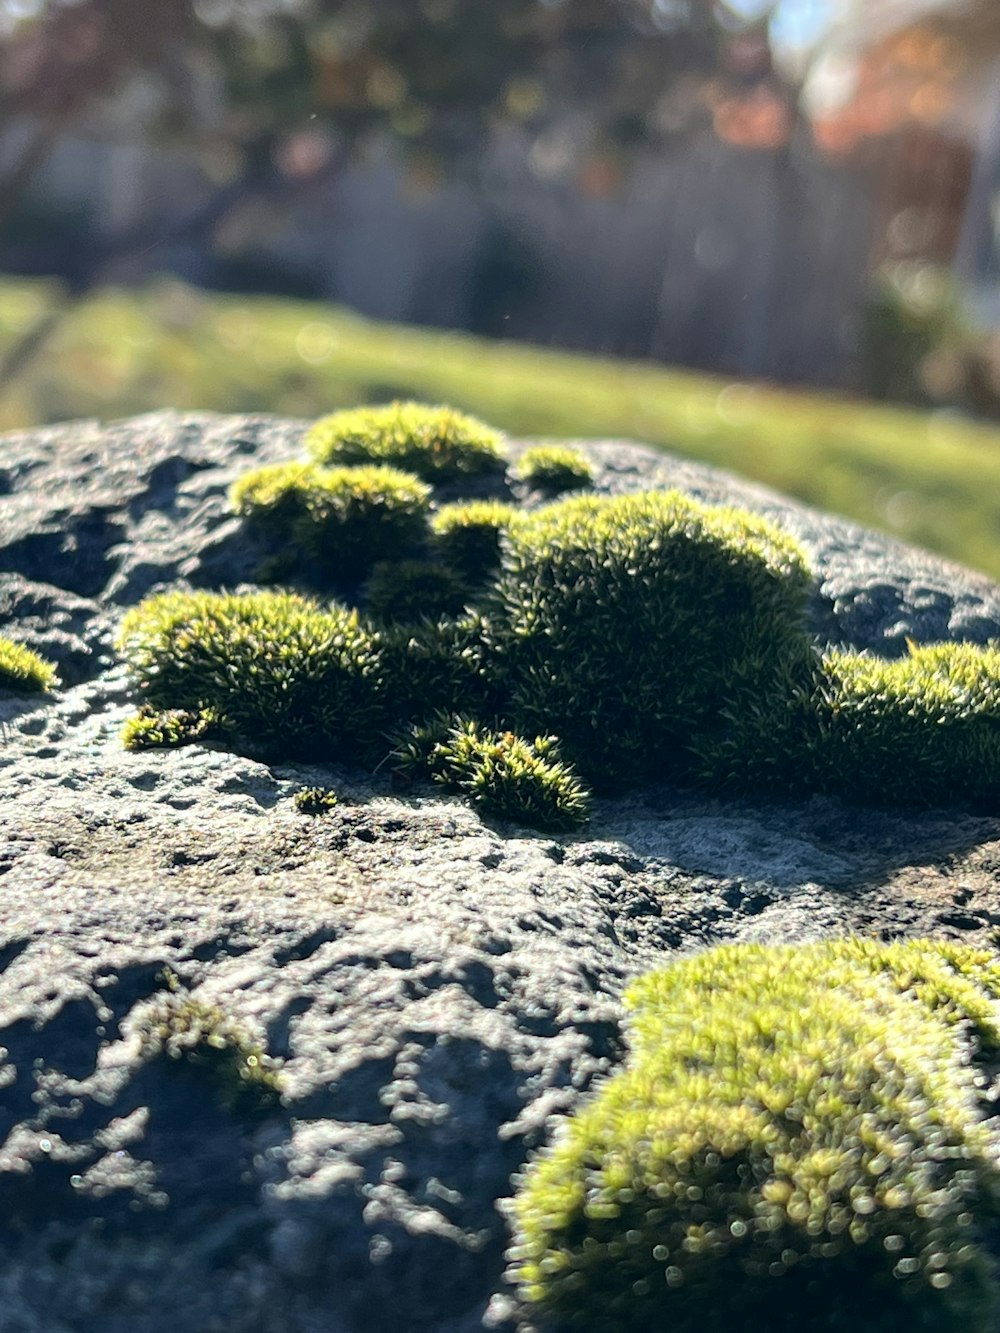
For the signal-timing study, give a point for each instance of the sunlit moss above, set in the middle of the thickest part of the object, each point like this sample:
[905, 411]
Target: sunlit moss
[924, 729]
[797, 1141]
[436, 443]
[552, 469]
[336, 522]
[148, 729]
[315, 800]
[635, 625]
[281, 673]
[502, 774]
[23, 671]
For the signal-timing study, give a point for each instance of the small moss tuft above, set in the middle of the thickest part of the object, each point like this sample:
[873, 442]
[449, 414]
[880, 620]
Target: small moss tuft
[553, 469]
[437, 443]
[177, 1026]
[341, 520]
[408, 591]
[281, 673]
[23, 671]
[148, 729]
[467, 536]
[502, 774]
[315, 800]
[797, 1141]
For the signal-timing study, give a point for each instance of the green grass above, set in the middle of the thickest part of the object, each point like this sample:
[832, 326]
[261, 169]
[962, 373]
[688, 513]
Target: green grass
[931, 478]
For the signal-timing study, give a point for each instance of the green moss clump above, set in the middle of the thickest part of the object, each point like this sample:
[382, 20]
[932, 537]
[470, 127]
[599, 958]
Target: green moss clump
[635, 626]
[407, 591]
[502, 774]
[437, 443]
[280, 672]
[23, 671]
[177, 1026]
[797, 1142]
[149, 730]
[440, 666]
[553, 469]
[315, 800]
[467, 536]
[921, 730]
[341, 520]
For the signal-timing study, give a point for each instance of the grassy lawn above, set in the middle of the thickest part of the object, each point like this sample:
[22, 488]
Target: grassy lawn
[931, 478]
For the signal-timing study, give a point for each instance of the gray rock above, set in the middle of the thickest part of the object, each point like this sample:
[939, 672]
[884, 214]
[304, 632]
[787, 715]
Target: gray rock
[438, 990]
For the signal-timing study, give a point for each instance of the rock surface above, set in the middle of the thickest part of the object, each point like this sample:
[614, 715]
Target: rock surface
[437, 989]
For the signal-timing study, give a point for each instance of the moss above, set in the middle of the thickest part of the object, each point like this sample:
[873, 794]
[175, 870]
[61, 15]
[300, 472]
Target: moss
[440, 666]
[315, 800]
[437, 443]
[921, 730]
[797, 1141]
[201, 1038]
[467, 536]
[408, 591]
[341, 520]
[634, 627]
[23, 671]
[659, 638]
[282, 673]
[502, 774]
[148, 729]
[553, 469]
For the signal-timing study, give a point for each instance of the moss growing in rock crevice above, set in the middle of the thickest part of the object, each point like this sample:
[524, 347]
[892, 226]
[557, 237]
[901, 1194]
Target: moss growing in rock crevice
[201, 1038]
[23, 671]
[797, 1141]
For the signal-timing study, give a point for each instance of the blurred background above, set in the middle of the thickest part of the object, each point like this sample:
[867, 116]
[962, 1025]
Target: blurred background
[729, 228]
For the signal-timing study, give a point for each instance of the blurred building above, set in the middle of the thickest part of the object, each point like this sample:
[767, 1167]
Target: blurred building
[916, 86]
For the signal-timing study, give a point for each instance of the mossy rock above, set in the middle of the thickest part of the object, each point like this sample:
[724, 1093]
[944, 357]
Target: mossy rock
[797, 1141]
[438, 444]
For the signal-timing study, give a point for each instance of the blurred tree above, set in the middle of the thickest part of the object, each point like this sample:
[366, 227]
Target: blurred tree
[269, 96]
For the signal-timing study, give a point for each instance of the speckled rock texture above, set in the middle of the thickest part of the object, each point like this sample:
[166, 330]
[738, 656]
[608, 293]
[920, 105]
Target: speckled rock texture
[437, 990]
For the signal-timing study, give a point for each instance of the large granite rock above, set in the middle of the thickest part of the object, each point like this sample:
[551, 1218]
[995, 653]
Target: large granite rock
[437, 989]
